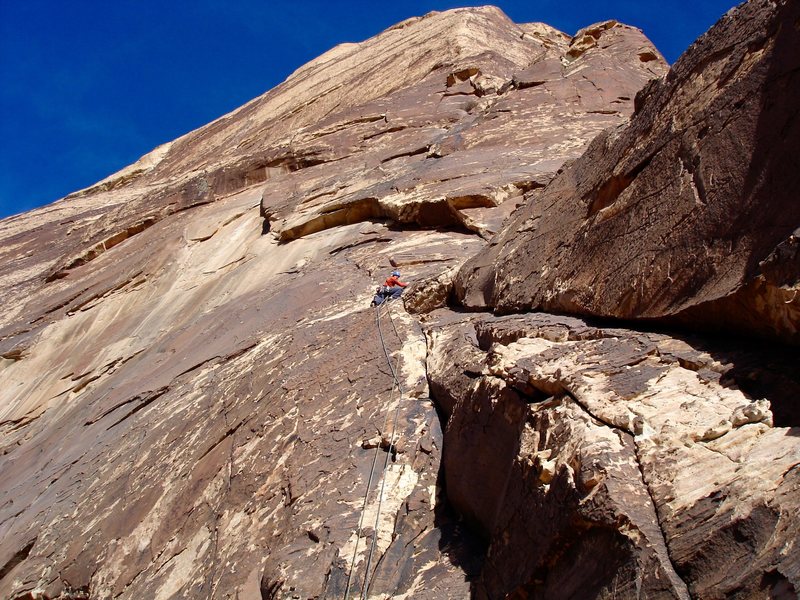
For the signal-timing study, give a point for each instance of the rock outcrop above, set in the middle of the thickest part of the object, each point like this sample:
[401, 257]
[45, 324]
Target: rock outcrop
[197, 401]
[688, 212]
[631, 457]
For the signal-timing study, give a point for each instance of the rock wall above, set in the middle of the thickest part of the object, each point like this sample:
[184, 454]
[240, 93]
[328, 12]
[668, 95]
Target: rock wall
[198, 402]
[604, 462]
[193, 381]
[687, 213]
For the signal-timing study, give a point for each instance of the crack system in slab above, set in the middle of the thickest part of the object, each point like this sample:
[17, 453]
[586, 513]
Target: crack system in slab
[680, 585]
[646, 484]
[659, 542]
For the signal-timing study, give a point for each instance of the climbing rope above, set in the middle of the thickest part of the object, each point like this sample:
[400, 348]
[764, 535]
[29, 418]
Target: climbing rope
[363, 512]
[395, 383]
[388, 453]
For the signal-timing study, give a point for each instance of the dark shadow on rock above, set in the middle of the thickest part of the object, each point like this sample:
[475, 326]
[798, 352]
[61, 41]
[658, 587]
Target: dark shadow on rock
[757, 368]
[778, 586]
[459, 542]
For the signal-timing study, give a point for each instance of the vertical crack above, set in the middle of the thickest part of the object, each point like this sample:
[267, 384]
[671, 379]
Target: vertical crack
[683, 586]
[677, 581]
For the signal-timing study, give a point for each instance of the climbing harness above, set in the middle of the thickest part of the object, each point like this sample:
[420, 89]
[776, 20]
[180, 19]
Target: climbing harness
[395, 384]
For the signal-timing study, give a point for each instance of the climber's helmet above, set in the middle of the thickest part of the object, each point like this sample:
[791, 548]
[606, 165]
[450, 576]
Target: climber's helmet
[396, 273]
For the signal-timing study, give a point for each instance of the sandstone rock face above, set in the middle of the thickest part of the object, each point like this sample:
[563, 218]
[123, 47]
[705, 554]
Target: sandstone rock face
[633, 457]
[689, 211]
[197, 401]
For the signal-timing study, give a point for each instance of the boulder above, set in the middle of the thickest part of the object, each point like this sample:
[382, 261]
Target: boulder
[687, 214]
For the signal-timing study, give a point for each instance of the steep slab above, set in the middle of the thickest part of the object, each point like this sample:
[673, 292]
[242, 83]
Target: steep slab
[198, 421]
[688, 212]
[473, 134]
[194, 391]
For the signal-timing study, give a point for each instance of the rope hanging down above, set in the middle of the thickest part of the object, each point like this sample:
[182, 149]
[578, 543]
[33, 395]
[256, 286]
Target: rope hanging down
[395, 383]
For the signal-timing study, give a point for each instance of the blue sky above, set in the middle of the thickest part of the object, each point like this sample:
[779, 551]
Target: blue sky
[87, 87]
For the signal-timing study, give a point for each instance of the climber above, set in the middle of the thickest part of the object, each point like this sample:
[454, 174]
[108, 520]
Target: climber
[394, 285]
[390, 290]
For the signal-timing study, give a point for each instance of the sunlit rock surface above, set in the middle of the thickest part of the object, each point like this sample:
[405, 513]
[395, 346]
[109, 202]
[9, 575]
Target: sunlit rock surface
[637, 457]
[198, 402]
[688, 212]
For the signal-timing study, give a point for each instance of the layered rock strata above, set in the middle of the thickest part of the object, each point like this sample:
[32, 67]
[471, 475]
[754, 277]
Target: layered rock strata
[197, 401]
[193, 386]
[633, 457]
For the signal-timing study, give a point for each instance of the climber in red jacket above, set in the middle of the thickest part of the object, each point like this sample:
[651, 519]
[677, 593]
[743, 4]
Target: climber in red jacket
[395, 285]
[390, 290]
